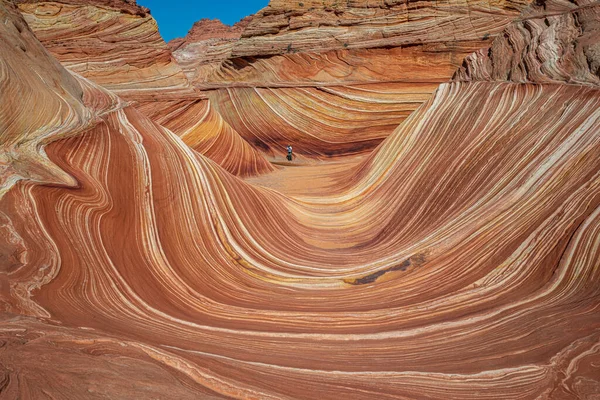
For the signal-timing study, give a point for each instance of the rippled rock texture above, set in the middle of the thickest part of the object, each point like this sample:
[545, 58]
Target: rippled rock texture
[116, 44]
[556, 45]
[316, 71]
[460, 260]
[206, 46]
[204, 130]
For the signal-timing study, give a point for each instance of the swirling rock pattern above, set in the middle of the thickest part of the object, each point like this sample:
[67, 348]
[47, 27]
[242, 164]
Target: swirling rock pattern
[458, 261]
[325, 42]
[116, 44]
[289, 50]
[203, 129]
[319, 122]
[207, 44]
[349, 314]
[545, 47]
[325, 25]
[39, 103]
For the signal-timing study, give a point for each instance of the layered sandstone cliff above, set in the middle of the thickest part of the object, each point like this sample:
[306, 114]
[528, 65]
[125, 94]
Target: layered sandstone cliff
[437, 35]
[309, 68]
[39, 101]
[116, 44]
[556, 45]
[206, 46]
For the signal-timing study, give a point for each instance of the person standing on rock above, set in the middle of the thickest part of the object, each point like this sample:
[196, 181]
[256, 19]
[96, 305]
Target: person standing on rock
[289, 152]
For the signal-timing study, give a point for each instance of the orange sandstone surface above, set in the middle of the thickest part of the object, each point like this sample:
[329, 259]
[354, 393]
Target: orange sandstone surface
[116, 44]
[335, 77]
[458, 258]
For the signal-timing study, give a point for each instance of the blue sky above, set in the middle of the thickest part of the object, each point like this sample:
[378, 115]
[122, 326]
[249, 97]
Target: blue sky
[175, 18]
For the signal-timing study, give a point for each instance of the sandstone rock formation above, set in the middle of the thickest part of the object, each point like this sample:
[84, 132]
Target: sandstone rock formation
[116, 44]
[327, 52]
[320, 122]
[336, 30]
[207, 44]
[545, 47]
[459, 260]
[39, 101]
[203, 130]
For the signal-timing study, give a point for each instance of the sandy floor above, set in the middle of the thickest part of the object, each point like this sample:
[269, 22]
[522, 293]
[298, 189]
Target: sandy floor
[298, 178]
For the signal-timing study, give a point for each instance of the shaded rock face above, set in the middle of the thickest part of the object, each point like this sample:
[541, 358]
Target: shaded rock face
[206, 45]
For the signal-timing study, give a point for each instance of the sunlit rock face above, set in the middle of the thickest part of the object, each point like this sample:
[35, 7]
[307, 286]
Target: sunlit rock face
[116, 44]
[203, 130]
[459, 260]
[436, 33]
[326, 65]
[555, 43]
[39, 101]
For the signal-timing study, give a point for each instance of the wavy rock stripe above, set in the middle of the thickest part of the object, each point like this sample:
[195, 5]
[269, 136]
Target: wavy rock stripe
[341, 42]
[280, 73]
[551, 48]
[321, 26]
[117, 45]
[110, 44]
[434, 62]
[129, 57]
[203, 129]
[318, 122]
[289, 55]
[70, 363]
[475, 254]
[39, 102]
[459, 261]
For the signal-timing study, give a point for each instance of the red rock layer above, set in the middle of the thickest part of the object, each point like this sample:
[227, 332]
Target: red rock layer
[122, 51]
[203, 129]
[120, 48]
[319, 122]
[207, 29]
[335, 36]
[329, 120]
[489, 257]
[545, 47]
[41, 360]
[320, 26]
[348, 43]
[126, 6]
[463, 259]
[420, 63]
[39, 102]
[206, 45]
